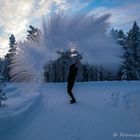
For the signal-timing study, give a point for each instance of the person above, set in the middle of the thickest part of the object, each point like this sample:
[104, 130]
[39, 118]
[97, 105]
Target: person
[73, 69]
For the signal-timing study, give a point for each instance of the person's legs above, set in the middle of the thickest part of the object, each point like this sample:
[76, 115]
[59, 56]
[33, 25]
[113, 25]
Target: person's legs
[69, 90]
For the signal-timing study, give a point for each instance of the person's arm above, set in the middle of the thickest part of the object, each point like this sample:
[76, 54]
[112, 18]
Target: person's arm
[69, 73]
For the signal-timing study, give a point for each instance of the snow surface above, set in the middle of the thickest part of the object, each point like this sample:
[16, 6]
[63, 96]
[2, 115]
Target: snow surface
[104, 110]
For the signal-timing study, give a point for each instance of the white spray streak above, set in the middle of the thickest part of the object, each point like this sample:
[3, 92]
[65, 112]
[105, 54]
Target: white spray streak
[85, 32]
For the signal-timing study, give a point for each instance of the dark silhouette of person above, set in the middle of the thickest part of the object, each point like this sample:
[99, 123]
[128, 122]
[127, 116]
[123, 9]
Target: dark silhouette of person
[73, 69]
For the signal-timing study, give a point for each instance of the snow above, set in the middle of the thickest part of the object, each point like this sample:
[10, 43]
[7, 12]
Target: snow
[104, 111]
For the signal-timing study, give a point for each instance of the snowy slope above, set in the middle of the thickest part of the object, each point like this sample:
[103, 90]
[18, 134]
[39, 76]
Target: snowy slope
[104, 110]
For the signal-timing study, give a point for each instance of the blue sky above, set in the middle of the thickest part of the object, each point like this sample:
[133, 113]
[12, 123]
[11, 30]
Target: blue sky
[17, 15]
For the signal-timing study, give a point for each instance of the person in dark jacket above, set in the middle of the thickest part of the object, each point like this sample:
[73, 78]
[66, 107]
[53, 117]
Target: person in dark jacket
[73, 69]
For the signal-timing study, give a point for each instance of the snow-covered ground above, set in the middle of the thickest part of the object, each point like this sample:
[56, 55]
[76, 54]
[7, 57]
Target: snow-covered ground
[104, 111]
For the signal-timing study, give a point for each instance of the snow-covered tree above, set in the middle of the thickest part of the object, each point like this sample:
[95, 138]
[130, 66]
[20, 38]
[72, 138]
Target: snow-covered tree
[1, 63]
[9, 56]
[132, 54]
[28, 61]
[57, 70]
[32, 30]
[113, 34]
[85, 74]
[2, 68]
[120, 38]
[2, 89]
[33, 35]
[12, 41]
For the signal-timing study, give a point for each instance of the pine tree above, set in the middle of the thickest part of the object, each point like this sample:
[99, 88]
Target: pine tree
[114, 34]
[12, 41]
[33, 35]
[57, 70]
[85, 73]
[9, 56]
[31, 30]
[132, 55]
[2, 89]
[120, 38]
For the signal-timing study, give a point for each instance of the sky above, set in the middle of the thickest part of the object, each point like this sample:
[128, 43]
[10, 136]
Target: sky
[17, 15]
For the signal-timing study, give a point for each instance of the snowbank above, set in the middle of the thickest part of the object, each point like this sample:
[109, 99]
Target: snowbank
[104, 111]
[17, 108]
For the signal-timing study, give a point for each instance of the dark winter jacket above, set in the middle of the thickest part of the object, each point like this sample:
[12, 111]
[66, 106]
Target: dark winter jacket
[72, 73]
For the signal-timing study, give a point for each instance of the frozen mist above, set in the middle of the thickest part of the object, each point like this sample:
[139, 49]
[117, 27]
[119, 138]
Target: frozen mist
[86, 32]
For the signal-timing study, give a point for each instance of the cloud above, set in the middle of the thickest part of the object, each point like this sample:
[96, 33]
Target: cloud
[3, 46]
[125, 15]
[13, 19]
[122, 16]
[16, 16]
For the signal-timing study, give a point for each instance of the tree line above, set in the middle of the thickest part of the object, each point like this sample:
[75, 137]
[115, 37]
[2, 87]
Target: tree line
[57, 70]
